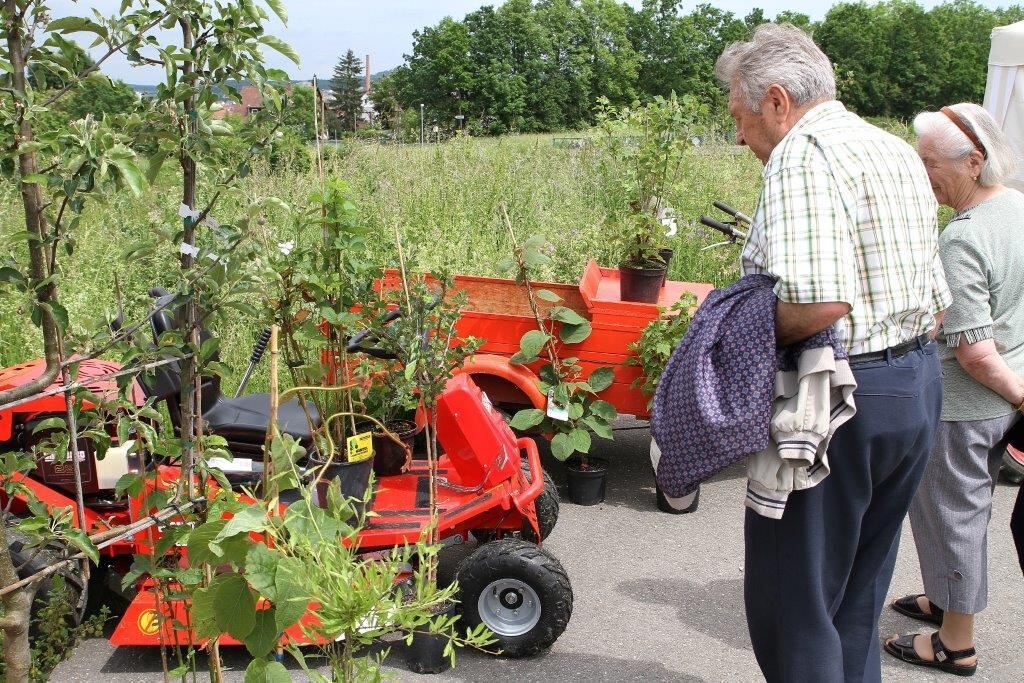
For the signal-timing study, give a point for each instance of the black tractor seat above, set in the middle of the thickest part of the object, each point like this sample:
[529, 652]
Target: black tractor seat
[241, 421]
[244, 419]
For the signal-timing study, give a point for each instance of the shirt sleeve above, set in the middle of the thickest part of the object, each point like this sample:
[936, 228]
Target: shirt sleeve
[808, 236]
[941, 296]
[970, 314]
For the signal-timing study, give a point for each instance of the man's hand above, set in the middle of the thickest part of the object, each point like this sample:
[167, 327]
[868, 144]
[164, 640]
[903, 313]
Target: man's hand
[796, 322]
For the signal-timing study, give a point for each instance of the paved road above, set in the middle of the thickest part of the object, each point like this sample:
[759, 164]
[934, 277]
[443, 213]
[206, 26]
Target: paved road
[657, 597]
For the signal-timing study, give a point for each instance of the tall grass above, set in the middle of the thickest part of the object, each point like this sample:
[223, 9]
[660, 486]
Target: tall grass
[443, 199]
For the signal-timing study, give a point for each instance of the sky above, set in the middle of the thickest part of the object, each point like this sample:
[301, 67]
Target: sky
[322, 30]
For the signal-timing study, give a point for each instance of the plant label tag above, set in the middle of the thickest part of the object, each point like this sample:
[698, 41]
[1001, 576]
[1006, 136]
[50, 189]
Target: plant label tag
[360, 447]
[555, 411]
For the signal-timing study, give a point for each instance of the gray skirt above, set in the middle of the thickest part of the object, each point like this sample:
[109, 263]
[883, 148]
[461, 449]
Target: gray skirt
[950, 513]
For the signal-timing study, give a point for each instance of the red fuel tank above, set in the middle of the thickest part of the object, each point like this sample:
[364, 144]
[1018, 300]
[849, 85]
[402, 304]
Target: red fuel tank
[474, 435]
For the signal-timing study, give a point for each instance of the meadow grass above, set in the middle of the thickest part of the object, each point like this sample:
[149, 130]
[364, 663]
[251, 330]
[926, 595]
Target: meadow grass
[443, 199]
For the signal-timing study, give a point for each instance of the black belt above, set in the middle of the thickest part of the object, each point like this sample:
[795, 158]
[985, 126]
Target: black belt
[892, 352]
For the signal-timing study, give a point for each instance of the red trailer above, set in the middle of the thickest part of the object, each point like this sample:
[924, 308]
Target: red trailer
[498, 311]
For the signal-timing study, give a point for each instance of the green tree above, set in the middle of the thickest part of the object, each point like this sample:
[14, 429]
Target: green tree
[347, 85]
[100, 97]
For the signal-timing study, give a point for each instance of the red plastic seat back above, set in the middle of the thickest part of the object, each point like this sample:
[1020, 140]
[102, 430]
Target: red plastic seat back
[474, 436]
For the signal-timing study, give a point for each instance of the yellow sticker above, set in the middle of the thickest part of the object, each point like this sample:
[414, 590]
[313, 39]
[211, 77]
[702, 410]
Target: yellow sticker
[360, 447]
[149, 622]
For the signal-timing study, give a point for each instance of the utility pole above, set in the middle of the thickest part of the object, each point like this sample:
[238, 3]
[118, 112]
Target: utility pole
[421, 123]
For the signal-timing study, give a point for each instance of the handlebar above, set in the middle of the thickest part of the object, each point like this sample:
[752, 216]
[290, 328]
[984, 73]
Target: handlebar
[729, 231]
[740, 217]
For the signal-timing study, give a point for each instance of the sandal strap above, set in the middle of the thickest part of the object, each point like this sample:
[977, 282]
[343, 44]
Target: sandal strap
[944, 654]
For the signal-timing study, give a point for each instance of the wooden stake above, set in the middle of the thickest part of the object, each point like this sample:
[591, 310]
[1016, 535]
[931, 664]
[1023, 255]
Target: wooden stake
[274, 403]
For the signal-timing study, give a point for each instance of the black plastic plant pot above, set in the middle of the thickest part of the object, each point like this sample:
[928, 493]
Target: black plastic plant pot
[388, 457]
[353, 479]
[587, 486]
[426, 654]
[641, 284]
[666, 256]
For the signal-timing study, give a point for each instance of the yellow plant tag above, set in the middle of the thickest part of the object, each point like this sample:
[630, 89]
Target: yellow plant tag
[360, 447]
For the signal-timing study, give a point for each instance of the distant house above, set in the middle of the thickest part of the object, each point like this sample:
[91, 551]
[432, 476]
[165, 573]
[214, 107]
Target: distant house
[252, 102]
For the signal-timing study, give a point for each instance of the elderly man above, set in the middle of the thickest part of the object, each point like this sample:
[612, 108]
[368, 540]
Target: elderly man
[846, 224]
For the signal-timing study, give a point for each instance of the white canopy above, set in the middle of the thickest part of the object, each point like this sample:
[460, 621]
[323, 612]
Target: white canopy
[1004, 91]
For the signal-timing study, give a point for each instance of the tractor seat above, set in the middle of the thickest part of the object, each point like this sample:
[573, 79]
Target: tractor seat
[244, 419]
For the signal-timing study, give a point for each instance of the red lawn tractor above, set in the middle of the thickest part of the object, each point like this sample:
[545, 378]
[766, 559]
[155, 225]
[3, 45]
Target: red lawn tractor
[491, 486]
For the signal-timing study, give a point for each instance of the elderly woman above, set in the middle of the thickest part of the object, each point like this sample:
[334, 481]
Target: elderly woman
[967, 158]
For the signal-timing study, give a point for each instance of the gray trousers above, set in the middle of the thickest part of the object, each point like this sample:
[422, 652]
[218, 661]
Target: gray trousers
[952, 508]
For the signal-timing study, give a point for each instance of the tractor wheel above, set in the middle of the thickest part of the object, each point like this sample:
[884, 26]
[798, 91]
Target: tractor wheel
[519, 591]
[547, 504]
[33, 561]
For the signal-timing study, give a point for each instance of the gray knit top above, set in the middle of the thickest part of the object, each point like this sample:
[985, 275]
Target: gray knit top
[982, 251]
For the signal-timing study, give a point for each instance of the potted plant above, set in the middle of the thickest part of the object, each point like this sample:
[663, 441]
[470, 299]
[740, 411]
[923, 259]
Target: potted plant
[657, 341]
[428, 351]
[573, 410]
[390, 397]
[323, 274]
[648, 145]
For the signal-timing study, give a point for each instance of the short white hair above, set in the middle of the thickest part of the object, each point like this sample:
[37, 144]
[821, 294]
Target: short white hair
[777, 54]
[951, 142]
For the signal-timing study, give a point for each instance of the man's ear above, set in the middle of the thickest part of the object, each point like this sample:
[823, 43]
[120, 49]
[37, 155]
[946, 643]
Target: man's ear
[975, 162]
[776, 102]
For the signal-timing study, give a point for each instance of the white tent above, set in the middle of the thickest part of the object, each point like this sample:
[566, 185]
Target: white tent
[1004, 91]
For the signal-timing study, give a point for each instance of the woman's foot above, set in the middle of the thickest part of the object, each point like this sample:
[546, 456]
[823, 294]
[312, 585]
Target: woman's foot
[918, 607]
[931, 651]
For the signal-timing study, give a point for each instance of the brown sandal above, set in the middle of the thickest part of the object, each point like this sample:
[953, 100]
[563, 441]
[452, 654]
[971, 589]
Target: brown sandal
[945, 659]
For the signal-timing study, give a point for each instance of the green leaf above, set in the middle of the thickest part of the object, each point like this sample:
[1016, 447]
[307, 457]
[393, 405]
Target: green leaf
[519, 359]
[292, 599]
[532, 343]
[261, 570]
[574, 334]
[527, 418]
[60, 315]
[129, 483]
[75, 25]
[156, 162]
[600, 428]
[278, 45]
[80, 540]
[278, 8]
[264, 635]
[601, 379]
[562, 446]
[548, 295]
[235, 605]
[38, 178]
[566, 315]
[604, 410]
[204, 616]
[199, 541]
[131, 175]
[262, 671]
[252, 518]
[580, 440]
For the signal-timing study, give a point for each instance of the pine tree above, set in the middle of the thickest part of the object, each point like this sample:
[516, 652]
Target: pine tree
[348, 90]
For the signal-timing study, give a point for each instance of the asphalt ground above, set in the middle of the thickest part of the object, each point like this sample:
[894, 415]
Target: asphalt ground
[657, 597]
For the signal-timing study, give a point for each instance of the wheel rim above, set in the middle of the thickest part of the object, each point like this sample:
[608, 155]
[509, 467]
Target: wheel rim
[509, 607]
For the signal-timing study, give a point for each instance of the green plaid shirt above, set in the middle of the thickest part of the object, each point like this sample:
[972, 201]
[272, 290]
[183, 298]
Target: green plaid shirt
[847, 214]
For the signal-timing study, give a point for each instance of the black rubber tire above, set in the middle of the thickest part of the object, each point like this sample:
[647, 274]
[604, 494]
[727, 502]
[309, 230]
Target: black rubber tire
[77, 587]
[547, 506]
[515, 558]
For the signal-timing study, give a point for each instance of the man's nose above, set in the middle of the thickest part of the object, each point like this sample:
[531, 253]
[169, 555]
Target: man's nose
[740, 140]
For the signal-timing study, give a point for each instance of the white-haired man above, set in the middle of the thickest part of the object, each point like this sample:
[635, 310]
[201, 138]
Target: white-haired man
[846, 223]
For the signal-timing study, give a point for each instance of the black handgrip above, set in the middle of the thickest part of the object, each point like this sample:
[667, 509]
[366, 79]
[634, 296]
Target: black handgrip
[721, 227]
[261, 346]
[725, 207]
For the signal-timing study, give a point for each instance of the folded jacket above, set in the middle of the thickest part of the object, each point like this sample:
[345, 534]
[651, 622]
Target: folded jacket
[713, 406]
[813, 397]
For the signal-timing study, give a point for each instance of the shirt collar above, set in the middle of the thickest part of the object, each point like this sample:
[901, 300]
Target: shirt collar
[808, 121]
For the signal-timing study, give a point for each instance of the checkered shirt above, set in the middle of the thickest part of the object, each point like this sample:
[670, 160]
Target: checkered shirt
[847, 214]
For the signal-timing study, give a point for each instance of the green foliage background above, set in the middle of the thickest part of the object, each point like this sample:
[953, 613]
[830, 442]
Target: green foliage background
[538, 66]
